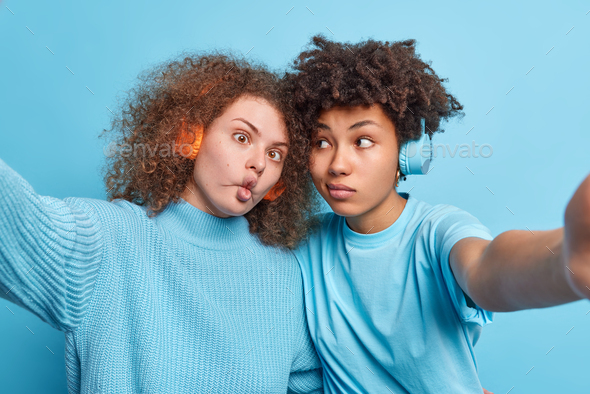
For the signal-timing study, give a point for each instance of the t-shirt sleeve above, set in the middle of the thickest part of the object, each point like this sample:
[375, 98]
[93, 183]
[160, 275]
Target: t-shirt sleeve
[450, 224]
[50, 251]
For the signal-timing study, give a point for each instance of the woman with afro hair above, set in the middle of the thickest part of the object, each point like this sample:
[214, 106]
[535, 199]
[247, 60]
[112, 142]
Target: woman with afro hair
[183, 281]
[397, 290]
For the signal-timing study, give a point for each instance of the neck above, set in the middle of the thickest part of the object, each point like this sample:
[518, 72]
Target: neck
[379, 217]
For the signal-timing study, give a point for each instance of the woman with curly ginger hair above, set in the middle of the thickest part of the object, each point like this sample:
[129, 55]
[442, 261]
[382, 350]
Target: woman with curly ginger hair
[174, 286]
[398, 290]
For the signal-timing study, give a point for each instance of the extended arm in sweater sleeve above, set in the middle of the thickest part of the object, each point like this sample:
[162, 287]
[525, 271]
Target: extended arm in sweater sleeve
[306, 371]
[307, 380]
[50, 251]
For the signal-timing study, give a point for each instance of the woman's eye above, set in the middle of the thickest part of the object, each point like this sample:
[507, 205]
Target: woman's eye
[241, 138]
[318, 144]
[365, 144]
[274, 155]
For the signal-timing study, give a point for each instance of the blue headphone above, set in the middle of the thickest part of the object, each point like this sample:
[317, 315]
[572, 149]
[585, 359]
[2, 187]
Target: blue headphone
[411, 154]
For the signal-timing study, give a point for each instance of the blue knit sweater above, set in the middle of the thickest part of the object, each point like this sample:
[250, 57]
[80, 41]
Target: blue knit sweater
[185, 302]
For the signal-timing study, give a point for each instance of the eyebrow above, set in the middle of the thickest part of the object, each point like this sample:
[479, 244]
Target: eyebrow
[276, 143]
[355, 126]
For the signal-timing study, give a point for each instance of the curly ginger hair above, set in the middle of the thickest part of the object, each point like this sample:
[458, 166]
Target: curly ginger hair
[193, 90]
[390, 74]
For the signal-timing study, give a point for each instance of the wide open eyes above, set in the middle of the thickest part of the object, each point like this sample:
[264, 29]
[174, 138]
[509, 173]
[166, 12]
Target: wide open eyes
[241, 138]
[274, 155]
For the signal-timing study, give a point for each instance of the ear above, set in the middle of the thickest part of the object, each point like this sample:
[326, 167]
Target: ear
[188, 141]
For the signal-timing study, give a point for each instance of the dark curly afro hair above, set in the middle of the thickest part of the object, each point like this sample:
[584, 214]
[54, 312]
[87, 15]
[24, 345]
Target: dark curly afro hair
[387, 73]
[146, 171]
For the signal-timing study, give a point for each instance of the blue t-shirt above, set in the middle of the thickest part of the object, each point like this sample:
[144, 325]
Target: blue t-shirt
[384, 309]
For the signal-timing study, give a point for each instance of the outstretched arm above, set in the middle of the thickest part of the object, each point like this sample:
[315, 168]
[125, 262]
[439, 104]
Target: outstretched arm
[521, 269]
[50, 251]
[576, 249]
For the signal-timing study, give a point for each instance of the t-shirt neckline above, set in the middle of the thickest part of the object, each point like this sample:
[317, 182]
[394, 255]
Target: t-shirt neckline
[383, 236]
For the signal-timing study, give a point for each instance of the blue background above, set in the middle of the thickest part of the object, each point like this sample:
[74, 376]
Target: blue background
[50, 121]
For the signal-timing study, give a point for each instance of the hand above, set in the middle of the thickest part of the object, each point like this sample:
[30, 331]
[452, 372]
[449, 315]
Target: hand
[487, 392]
[576, 242]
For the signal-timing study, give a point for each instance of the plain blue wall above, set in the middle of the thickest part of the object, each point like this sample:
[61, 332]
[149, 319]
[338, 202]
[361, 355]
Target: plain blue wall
[49, 123]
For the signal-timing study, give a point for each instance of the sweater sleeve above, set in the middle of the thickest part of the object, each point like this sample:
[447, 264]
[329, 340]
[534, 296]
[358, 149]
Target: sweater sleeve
[50, 251]
[307, 380]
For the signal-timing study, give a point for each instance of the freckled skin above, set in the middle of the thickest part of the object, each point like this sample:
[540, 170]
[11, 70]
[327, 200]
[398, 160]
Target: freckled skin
[214, 187]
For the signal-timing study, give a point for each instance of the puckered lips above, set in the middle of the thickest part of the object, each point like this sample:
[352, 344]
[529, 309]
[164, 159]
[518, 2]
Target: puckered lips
[244, 193]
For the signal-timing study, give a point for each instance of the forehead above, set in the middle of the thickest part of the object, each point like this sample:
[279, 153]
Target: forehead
[259, 112]
[347, 116]
[256, 107]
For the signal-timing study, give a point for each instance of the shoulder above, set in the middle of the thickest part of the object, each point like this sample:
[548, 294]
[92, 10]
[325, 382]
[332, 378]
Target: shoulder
[327, 222]
[434, 215]
[286, 263]
[326, 229]
[110, 214]
[451, 216]
[442, 225]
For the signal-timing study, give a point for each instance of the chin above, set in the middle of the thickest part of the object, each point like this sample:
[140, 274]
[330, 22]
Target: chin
[237, 208]
[343, 208]
[347, 212]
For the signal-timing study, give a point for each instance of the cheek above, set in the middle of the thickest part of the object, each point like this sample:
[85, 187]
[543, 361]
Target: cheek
[278, 169]
[218, 156]
[272, 177]
[210, 167]
[316, 175]
[318, 180]
[316, 165]
[229, 163]
[376, 175]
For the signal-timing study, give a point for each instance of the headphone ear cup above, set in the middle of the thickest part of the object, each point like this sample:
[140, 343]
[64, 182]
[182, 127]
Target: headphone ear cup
[403, 159]
[411, 160]
[275, 191]
[188, 142]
